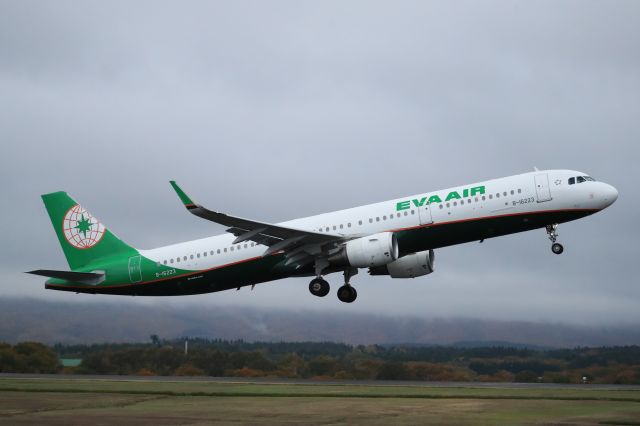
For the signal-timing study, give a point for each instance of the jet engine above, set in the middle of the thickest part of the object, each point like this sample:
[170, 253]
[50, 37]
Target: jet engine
[370, 251]
[410, 266]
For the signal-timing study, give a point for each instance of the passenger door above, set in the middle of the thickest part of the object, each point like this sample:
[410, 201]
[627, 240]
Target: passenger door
[543, 192]
[425, 214]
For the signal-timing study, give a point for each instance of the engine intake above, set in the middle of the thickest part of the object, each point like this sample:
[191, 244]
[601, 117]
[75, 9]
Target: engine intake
[410, 266]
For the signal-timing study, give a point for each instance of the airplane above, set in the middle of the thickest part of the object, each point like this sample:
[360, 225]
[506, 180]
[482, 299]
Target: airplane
[396, 238]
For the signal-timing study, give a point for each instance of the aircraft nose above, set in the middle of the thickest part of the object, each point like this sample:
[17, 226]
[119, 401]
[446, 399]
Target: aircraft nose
[610, 194]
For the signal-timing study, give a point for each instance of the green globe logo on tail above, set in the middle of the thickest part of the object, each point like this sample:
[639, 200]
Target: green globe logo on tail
[80, 229]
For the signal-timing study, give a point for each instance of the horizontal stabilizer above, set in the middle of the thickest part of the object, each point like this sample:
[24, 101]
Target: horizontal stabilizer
[78, 277]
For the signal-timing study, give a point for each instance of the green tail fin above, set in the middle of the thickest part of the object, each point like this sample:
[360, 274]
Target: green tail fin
[83, 238]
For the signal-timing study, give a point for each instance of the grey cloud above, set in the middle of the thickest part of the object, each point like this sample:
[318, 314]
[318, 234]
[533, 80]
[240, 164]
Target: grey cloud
[286, 109]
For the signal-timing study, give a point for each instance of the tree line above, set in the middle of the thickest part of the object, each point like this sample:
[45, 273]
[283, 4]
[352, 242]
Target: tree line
[327, 360]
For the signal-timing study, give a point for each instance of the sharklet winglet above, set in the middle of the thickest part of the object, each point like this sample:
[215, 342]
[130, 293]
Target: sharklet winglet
[188, 202]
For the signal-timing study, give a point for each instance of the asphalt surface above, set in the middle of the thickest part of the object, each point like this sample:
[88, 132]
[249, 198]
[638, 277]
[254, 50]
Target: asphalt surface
[278, 381]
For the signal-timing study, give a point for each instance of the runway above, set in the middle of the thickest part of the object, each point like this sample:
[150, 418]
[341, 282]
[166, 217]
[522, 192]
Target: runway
[284, 381]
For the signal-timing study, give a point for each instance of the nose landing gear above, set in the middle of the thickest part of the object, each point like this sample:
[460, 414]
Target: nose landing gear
[557, 248]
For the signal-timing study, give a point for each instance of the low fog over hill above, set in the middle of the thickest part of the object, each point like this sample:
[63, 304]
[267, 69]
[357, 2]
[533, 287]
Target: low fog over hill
[49, 322]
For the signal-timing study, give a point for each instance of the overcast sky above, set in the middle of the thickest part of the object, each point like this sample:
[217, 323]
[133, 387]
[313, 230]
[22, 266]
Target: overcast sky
[277, 110]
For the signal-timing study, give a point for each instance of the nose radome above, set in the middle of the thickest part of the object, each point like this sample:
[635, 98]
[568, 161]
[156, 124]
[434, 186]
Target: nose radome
[610, 194]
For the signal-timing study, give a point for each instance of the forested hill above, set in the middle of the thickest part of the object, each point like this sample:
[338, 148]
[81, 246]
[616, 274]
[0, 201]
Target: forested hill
[329, 361]
[53, 322]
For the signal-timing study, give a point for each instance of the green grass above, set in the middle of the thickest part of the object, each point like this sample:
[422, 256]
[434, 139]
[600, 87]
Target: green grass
[79, 401]
[202, 388]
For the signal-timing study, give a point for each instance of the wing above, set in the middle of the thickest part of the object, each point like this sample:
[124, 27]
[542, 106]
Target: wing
[300, 246]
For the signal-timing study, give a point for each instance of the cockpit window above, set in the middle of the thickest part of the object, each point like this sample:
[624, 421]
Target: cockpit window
[580, 179]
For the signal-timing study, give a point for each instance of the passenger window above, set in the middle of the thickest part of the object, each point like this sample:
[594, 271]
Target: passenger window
[455, 203]
[170, 260]
[406, 214]
[198, 255]
[185, 258]
[204, 254]
[484, 198]
[165, 262]
[225, 249]
[491, 196]
[519, 191]
[476, 199]
[341, 226]
[461, 202]
[413, 212]
[513, 192]
[359, 222]
[327, 229]
[497, 195]
[370, 220]
[218, 251]
[384, 217]
[448, 205]
[334, 227]
[231, 248]
[441, 207]
[349, 225]
[377, 219]
[504, 193]
[391, 216]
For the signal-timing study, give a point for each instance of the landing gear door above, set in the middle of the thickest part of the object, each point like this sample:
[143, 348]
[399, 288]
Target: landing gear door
[425, 214]
[542, 187]
[135, 272]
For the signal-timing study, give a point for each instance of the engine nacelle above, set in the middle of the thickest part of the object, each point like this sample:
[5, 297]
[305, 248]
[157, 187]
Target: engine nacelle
[410, 266]
[370, 251]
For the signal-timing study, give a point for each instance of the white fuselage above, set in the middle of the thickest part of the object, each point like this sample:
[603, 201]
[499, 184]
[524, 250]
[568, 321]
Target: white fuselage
[538, 191]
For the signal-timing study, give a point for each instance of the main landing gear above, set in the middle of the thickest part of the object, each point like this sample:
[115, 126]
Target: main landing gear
[557, 248]
[347, 294]
[319, 287]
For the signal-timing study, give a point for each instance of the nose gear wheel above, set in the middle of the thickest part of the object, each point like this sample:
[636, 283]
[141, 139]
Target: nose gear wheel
[556, 248]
